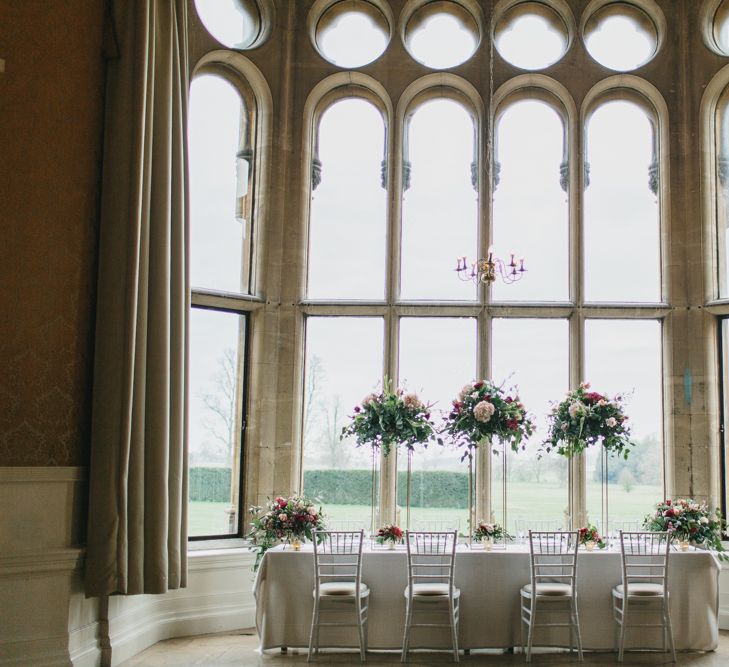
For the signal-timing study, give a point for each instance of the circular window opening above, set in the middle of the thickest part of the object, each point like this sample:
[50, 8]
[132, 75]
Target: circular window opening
[621, 37]
[236, 24]
[721, 27]
[440, 35]
[352, 33]
[531, 35]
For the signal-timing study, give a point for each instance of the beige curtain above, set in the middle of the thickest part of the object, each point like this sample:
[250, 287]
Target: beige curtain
[137, 541]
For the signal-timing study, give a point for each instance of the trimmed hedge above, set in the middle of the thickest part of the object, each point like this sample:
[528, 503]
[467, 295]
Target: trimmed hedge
[430, 488]
[209, 484]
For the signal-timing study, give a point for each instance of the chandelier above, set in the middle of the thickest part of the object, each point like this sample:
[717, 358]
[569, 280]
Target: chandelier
[485, 271]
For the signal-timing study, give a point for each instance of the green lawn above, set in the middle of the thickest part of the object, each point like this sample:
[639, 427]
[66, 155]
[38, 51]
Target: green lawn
[526, 501]
[205, 518]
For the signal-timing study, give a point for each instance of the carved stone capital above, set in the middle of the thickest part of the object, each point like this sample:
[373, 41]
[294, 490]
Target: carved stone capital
[496, 176]
[564, 176]
[653, 177]
[407, 168]
[315, 173]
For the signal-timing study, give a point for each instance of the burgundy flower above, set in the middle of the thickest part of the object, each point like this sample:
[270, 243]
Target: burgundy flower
[478, 385]
[357, 409]
[509, 399]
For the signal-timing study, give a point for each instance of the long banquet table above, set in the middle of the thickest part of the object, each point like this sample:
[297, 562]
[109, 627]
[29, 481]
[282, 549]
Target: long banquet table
[489, 584]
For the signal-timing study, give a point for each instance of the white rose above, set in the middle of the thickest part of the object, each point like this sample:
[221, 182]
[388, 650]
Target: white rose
[467, 389]
[483, 411]
[611, 422]
[704, 520]
[370, 398]
[575, 409]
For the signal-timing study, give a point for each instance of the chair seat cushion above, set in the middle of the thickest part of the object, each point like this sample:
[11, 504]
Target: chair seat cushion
[342, 588]
[548, 590]
[431, 590]
[642, 590]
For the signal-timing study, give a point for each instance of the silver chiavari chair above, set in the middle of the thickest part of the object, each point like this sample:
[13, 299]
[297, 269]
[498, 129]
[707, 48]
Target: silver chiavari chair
[553, 585]
[644, 587]
[431, 589]
[338, 582]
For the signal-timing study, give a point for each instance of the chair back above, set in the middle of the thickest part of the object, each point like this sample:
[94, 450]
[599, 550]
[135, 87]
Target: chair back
[645, 558]
[338, 557]
[431, 557]
[553, 557]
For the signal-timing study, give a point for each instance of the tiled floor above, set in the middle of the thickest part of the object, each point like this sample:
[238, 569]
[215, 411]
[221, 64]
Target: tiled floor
[240, 648]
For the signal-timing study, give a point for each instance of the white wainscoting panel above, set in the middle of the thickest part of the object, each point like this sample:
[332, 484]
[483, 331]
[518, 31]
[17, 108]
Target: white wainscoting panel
[43, 512]
[218, 598]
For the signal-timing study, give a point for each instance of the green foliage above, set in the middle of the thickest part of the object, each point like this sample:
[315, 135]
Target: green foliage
[484, 411]
[490, 531]
[585, 418]
[283, 518]
[390, 418]
[689, 520]
[430, 488]
[209, 484]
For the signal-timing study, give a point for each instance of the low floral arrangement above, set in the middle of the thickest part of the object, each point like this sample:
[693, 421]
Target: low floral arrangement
[589, 533]
[390, 418]
[490, 531]
[289, 519]
[389, 533]
[485, 411]
[585, 418]
[689, 521]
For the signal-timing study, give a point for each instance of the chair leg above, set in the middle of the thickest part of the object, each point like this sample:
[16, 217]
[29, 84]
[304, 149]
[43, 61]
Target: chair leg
[522, 624]
[360, 629]
[314, 624]
[667, 621]
[530, 635]
[623, 623]
[406, 635]
[454, 629]
[576, 613]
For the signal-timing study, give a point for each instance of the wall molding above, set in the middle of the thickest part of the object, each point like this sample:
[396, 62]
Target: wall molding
[219, 598]
[39, 474]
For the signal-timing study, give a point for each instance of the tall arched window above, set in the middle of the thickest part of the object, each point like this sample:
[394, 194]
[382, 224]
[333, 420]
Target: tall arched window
[530, 202]
[621, 205]
[348, 204]
[222, 175]
[440, 200]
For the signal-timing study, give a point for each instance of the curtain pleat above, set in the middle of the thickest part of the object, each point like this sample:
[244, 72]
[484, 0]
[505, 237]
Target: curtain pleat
[137, 533]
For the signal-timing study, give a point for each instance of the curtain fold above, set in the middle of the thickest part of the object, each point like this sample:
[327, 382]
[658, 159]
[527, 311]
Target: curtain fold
[137, 532]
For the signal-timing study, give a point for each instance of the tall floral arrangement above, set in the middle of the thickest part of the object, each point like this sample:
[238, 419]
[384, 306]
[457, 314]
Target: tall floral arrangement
[293, 518]
[484, 411]
[390, 418]
[690, 521]
[585, 418]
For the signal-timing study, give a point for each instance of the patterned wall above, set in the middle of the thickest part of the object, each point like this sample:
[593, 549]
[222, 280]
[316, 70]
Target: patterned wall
[51, 106]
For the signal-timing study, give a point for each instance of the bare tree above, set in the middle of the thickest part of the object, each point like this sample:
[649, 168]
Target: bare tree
[222, 406]
[335, 454]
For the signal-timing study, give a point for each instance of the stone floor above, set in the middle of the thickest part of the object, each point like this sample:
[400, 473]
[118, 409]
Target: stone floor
[240, 648]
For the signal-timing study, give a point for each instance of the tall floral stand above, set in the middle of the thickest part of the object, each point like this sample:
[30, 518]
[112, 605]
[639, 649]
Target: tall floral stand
[375, 491]
[408, 488]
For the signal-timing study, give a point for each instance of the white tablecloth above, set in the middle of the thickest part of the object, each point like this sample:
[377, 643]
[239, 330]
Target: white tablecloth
[490, 584]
